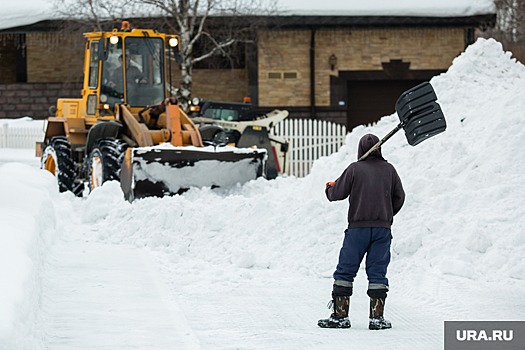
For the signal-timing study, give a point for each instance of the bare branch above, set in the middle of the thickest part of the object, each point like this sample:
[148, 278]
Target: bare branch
[198, 34]
[217, 48]
[194, 16]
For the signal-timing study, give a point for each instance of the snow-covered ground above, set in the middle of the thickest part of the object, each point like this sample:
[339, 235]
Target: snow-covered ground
[250, 267]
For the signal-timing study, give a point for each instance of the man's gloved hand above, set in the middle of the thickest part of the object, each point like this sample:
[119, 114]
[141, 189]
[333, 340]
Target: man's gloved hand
[330, 184]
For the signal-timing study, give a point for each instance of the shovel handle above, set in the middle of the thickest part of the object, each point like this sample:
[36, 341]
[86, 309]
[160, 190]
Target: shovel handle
[383, 140]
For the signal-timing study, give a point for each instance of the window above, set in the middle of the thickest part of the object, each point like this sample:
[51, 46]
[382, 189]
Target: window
[112, 89]
[144, 66]
[282, 75]
[92, 104]
[93, 65]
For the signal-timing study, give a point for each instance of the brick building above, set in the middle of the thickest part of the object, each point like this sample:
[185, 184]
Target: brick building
[347, 69]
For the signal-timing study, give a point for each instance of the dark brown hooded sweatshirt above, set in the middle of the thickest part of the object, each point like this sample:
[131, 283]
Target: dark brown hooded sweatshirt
[372, 187]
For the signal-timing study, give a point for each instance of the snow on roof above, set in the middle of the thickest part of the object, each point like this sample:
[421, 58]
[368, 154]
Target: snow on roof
[418, 8]
[21, 13]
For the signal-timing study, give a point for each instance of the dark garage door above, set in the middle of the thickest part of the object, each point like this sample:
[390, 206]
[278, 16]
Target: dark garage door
[369, 100]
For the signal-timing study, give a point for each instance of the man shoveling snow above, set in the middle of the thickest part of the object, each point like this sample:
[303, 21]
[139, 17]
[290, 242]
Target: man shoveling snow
[375, 195]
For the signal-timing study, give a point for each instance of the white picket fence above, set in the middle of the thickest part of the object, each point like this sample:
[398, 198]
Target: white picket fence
[13, 136]
[309, 140]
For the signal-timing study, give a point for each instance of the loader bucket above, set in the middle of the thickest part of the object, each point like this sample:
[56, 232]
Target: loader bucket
[155, 171]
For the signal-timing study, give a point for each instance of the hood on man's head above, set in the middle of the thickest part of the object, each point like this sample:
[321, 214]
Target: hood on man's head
[367, 142]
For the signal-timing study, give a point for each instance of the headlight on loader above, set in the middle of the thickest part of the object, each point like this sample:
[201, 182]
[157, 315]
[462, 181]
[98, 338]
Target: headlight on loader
[173, 42]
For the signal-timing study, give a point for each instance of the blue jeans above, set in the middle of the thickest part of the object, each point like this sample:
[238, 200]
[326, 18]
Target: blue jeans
[375, 242]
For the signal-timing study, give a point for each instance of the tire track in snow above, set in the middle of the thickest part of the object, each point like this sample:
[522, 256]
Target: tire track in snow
[101, 296]
[272, 309]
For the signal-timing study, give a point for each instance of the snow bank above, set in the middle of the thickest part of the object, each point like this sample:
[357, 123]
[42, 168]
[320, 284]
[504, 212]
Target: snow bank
[467, 189]
[463, 213]
[26, 122]
[28, 222]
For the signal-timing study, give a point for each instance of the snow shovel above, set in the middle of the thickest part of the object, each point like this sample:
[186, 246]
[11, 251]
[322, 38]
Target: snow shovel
[419, 115]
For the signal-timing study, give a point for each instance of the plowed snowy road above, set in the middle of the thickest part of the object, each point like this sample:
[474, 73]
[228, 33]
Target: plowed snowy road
[101, 296]
[106, 296]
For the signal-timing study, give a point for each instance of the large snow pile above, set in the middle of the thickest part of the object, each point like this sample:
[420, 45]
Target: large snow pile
[463, 213]
[27, 216]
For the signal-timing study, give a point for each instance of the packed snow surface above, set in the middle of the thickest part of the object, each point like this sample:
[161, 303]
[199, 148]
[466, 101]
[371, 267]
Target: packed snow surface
[250, 267]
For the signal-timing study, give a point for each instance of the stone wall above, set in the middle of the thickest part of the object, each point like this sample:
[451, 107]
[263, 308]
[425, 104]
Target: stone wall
[280, 53]
[220, 84]
[217, 84]
[33, 99]
[356, 50]
[55, 57]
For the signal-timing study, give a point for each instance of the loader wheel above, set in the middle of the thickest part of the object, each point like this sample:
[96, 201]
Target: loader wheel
[58, 160]
[105, 161]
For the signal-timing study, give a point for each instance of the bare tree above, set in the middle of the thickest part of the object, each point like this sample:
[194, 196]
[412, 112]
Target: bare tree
[236, 22]
[511, 19]
[206, 27]
[510, 26]
[95, 13]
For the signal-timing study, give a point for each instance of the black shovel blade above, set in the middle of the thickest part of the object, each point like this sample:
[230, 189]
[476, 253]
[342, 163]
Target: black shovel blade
[419, 113]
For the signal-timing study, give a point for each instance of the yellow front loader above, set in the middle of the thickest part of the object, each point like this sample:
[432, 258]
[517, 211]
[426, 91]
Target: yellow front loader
[127, 127]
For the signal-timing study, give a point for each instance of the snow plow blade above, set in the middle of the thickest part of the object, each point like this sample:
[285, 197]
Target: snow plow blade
[157, 172]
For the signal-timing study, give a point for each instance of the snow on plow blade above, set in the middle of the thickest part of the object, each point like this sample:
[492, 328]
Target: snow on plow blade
[151, 171]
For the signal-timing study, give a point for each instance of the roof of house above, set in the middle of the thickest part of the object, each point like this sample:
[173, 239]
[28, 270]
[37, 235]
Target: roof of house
[301, 12]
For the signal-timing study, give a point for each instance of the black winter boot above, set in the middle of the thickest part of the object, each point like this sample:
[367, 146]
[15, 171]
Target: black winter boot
[376, 320]
[339, 318]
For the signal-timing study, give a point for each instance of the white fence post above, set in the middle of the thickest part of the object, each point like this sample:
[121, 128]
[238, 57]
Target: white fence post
[20, 136]
[309, 140]
[5, 130]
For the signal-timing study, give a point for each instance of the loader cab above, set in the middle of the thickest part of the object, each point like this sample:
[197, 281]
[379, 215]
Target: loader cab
[133, 71]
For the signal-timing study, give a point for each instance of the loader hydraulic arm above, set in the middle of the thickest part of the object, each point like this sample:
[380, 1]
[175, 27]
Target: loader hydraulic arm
[178, 129]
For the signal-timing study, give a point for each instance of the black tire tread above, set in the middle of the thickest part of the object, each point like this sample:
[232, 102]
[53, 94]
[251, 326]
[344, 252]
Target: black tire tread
[112, 152]
[66, 169]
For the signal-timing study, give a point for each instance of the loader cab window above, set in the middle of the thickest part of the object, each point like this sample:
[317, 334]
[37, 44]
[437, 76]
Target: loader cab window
[112, 90]
[134, 73]
[93, 66]
[145, 71]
